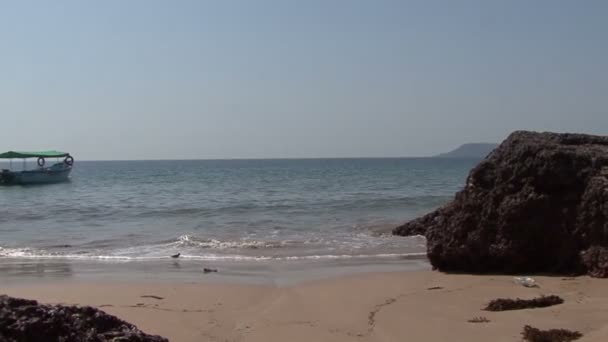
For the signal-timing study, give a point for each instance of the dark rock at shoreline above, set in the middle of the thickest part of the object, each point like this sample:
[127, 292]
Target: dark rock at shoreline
[537, 203]
[595, 260]
[27, 320]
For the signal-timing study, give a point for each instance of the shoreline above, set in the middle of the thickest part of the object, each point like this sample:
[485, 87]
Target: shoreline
[358, 307]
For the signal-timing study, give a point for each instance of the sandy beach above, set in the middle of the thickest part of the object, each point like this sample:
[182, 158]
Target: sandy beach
[396, 306]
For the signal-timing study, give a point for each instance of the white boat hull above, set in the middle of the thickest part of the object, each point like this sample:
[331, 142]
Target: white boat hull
[40, 176]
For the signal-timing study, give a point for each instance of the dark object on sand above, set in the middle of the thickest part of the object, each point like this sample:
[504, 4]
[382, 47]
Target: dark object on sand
[435, 288]
[480, 319]
[152, 296]
[537, 203]
[175, 256]
[504, 304]
[553, 335]
[209, 270]
[27, 320]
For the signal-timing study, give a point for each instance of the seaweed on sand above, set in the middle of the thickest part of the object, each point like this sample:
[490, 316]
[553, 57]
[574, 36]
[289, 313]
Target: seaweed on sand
[503, 304]
[480, 319]
[553, 335]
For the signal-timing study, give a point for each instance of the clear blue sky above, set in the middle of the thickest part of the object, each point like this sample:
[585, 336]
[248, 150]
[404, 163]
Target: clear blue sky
[253, 79]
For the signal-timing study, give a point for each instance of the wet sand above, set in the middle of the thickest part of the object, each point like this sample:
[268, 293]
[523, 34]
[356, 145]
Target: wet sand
[395, 306]
[15, 271]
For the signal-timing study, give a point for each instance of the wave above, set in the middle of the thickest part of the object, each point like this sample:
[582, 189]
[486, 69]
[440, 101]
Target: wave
[190, 241]
[357, 202]
[310, 246]
[33, 254]
[430, 201]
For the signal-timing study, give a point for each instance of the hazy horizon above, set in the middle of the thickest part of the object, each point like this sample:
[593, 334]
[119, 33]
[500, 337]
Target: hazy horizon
[156, 80]
[268, 158]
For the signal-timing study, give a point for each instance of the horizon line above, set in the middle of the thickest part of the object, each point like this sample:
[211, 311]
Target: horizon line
[280, 158]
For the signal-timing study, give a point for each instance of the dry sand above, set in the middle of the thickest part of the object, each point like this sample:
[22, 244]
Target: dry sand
[370, 307]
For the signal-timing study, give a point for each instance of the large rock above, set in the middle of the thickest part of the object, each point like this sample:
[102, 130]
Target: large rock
[26, 320]
[537, 203]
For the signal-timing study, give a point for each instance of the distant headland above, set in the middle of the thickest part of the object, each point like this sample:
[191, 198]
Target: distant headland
[472, 150]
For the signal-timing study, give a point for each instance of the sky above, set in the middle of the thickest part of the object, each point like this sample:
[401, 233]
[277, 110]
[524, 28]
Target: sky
[148, 79]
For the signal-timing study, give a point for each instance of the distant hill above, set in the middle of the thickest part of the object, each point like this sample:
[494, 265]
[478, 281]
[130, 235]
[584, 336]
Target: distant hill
[473, 150]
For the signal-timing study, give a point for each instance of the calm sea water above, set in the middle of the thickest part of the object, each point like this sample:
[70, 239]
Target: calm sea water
[227, 209]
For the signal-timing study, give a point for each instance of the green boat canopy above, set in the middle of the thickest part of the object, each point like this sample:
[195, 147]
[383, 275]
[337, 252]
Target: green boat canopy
[43, 154]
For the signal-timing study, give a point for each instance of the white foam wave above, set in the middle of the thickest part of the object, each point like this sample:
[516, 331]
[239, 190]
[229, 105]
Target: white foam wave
[188, 241]
[28, 253]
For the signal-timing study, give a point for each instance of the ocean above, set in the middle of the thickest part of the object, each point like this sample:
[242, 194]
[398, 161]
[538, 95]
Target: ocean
[210, 211]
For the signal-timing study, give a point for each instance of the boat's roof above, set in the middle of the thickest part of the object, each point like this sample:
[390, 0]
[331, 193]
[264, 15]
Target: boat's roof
[44, 154]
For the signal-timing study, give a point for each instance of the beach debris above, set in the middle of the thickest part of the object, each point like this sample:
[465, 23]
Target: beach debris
[435, 288]
[152, 296]
[553, 335]
[209, 270]
[175, 256]
[480, 319]
[27, 320]
[525, 281]
[504, 304]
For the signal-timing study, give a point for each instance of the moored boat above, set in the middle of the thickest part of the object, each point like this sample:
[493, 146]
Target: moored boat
[56, 173]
